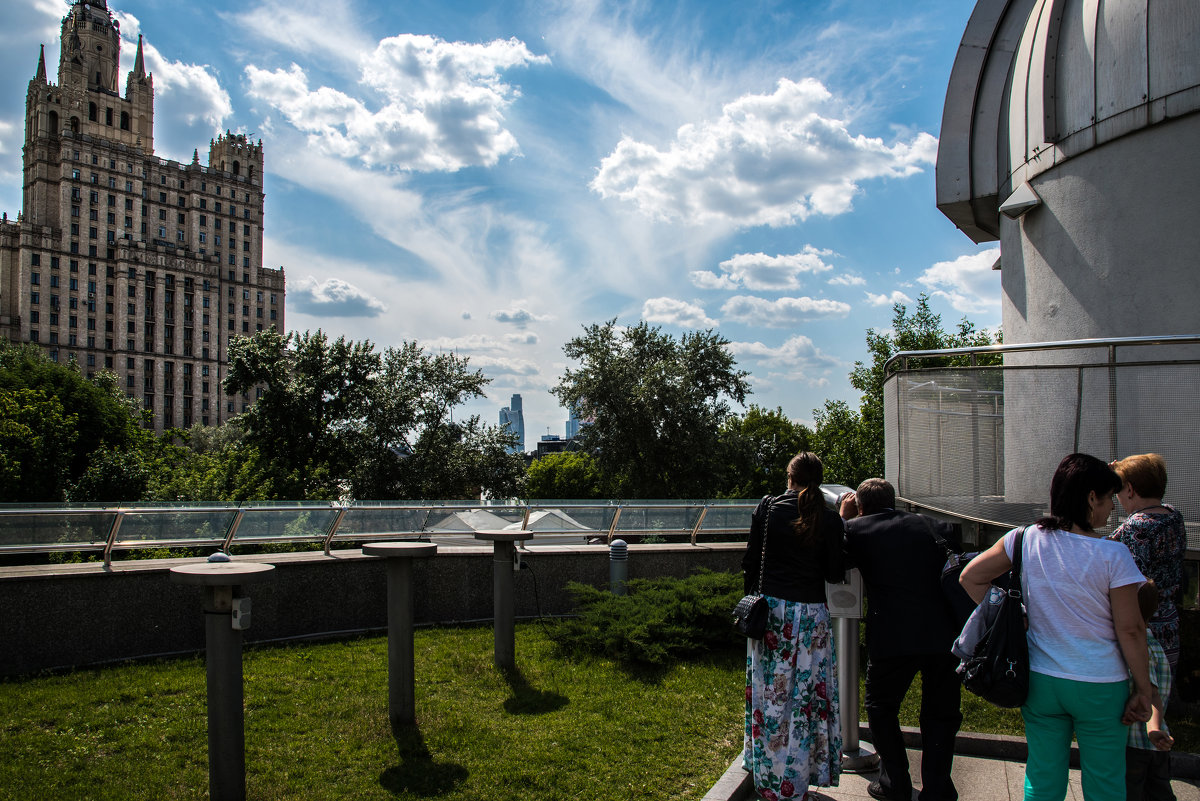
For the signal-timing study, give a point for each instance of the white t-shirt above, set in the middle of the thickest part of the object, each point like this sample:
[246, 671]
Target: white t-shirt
[1065, 578]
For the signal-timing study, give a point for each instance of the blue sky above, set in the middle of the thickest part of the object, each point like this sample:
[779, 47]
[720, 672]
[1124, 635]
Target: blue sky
[490, 177]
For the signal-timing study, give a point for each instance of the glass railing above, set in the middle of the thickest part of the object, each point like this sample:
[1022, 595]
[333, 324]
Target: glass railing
[49, 528]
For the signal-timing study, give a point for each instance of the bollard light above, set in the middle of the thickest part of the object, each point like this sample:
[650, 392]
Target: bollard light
[618, 566]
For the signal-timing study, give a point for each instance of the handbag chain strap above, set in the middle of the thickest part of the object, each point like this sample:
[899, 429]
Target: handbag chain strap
[762, 562]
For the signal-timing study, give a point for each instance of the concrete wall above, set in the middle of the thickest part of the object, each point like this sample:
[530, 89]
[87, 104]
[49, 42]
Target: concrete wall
[1111, 252]
[66, 616]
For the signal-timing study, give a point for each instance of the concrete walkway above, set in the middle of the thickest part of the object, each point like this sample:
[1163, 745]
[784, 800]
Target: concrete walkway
[978, 778]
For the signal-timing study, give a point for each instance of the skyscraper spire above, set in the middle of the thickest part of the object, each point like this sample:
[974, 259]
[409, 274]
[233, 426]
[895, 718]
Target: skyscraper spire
[41, 68]
[139, 66]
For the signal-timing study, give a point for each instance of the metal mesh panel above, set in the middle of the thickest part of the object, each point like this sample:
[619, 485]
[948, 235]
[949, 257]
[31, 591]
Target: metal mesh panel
[983, 442]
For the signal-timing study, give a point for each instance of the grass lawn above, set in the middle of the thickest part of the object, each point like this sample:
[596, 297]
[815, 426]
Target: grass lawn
[316, 726]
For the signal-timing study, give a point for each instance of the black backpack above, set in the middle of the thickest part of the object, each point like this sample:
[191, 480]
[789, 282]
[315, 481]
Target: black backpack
[999, 670]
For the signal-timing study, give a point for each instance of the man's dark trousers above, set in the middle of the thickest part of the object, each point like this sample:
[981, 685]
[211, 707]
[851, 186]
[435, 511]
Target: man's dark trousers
[910, 629]
[888, 681]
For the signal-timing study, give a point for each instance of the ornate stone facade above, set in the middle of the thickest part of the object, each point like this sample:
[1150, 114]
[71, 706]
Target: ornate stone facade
[124, 261]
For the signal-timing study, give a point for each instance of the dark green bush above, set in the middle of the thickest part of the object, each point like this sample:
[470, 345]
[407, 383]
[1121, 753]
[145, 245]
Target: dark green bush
[659, 620]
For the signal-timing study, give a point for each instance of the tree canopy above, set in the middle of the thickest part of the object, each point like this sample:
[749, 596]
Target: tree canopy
[850, 442]
[337, 418]
[656, 404]
[55, 424]
[757, 447]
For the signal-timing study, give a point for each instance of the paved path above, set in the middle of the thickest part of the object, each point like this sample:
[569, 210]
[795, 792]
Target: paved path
[977, 779]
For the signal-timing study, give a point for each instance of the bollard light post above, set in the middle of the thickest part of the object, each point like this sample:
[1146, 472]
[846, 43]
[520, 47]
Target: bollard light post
[226, 615]
[504, 604]
[402, 702]
[618, 566]
[845, 607]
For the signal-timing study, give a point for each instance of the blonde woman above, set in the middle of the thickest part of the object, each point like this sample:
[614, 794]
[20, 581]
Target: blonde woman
[1154, 533]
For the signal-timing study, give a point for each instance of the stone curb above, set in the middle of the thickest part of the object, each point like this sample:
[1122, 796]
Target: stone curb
[735, 784]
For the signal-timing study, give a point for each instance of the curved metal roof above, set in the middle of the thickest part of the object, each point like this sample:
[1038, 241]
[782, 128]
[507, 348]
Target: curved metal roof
[1036, 82]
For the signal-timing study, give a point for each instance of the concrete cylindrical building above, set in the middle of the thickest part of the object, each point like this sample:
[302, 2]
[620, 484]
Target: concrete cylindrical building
[1070, 135]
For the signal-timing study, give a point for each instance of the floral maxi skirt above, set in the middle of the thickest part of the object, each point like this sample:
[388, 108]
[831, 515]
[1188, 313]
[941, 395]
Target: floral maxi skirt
[793, 730]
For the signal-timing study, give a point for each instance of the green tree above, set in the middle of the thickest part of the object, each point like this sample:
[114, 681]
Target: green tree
[570, 475]
[758, 446]
[851, 443]
[656, 405]
[841, 440]
[82, 420]
[37, 441]
[336, 418]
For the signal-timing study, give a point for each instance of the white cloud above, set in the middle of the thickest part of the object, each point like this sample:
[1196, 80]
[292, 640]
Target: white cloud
[473, 343]
[762, 272]
[888, 300]
[190, 94]
[767, 160]
[518, 316]
[781, 312]
[290, 23]
[526, 338]
[443, 104]
[797, 355]
[847, 279]
[707, 279]
[333, 298]
[676, 312]
[969, 283]
[500, 365]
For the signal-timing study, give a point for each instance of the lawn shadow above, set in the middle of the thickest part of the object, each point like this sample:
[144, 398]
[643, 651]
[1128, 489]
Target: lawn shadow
[418, 773]
[527, 699]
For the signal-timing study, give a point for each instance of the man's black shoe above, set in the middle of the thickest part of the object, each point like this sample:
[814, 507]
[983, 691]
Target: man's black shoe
[875, 790]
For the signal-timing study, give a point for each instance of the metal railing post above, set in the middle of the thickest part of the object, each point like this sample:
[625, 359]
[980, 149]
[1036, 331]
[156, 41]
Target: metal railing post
[112, 536]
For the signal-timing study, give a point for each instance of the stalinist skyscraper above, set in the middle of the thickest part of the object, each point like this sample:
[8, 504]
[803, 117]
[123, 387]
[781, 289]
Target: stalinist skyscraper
[122, 260]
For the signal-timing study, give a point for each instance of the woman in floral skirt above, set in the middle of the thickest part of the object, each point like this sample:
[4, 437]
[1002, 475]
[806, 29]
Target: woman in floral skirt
[793, 731]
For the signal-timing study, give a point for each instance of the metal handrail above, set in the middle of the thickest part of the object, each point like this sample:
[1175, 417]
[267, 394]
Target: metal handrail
[689, 527]
[1068, 344]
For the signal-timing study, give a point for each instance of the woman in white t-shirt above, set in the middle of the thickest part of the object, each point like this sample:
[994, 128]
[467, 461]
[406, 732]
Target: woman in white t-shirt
[1086, 634]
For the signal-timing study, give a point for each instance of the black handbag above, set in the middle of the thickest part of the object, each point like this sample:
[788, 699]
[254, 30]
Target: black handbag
[999, 670]
[750, 614]
[961, 604]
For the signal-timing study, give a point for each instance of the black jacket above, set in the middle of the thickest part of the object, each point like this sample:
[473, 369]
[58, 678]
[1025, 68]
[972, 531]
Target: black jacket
[901, 566]
[794, 571]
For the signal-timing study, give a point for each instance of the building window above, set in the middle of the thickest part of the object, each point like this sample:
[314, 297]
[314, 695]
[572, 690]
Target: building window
[34, 298]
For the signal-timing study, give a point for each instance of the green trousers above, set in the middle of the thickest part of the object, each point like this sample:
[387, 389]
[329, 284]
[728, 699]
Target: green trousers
[1057, 708]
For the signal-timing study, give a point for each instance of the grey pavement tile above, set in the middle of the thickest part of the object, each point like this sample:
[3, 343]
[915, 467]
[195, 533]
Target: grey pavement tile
[977, 779]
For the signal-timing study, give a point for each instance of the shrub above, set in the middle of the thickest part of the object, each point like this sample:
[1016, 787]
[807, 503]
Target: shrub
[659, 621]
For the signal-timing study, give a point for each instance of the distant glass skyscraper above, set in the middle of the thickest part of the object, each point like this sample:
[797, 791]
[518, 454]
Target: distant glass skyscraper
[572, 425]
[513, 418]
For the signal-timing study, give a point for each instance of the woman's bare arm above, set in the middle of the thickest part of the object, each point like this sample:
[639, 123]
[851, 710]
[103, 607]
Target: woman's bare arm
[1131, 637]
[978, 574]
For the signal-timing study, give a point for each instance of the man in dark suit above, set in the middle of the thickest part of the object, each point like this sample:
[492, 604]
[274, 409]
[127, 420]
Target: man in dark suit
[909, 629]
